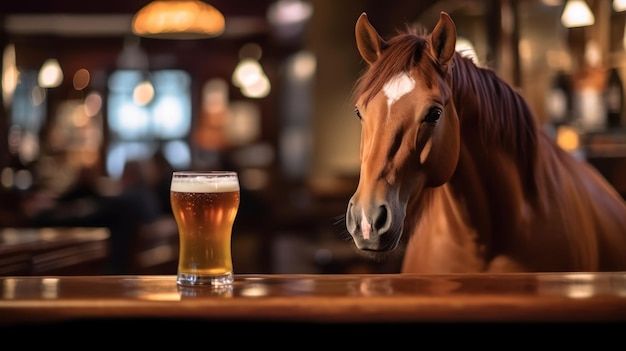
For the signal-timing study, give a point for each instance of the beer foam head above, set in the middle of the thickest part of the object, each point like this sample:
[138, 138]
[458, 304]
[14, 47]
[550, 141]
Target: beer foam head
[198, 183]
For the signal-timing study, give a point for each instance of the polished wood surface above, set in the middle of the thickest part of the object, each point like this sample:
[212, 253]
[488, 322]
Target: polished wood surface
[62, 250]
[341, 298]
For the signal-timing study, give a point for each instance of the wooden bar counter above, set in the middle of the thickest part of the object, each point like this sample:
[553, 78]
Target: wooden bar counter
[326, 299]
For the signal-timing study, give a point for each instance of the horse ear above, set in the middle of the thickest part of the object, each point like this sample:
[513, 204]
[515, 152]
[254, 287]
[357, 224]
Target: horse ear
[443, 39]
[368, 41]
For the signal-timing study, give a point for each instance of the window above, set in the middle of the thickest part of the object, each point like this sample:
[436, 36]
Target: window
[139, 125]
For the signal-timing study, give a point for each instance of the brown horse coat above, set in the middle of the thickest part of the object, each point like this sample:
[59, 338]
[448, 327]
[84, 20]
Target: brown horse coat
[453, 162]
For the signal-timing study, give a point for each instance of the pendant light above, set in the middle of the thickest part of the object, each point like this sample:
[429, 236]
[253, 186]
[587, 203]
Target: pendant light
[619, 5]
[178, 19]
[50, 74]
[577, 14]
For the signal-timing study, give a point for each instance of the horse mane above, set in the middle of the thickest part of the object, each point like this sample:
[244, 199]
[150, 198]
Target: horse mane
[505, 118]
[482, 99]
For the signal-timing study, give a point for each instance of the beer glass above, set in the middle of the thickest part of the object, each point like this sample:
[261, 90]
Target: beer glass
[205, 205]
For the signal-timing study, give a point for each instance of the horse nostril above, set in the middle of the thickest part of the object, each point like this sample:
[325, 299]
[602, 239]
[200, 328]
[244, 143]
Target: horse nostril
[381, 218]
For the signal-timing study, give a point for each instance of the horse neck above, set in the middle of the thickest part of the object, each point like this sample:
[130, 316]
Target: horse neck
[489, 189]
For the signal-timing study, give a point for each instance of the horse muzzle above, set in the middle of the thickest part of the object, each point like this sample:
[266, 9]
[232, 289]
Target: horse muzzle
[372, 228]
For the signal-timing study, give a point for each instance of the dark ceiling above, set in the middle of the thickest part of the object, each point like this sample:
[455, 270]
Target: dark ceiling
[228, 7]
[100, 49]
[246, 21]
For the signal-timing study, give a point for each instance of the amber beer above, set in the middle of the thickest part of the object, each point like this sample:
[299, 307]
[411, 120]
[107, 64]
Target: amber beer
[205, 205]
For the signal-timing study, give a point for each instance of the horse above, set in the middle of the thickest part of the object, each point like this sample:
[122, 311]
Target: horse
[456, 169]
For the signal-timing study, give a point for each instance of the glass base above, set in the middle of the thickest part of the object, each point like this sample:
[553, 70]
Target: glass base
[205, 290]
[206, 280]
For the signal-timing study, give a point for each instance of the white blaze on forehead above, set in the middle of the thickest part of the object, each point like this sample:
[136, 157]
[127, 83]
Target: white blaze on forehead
[397, 87]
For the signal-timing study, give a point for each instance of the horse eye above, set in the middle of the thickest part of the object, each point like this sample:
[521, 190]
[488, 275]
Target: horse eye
[358, 113]
[433, 115]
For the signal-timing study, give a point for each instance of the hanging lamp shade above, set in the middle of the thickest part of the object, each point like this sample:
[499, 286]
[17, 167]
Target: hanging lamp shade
[577, 14]
[178, 19]
[619, 5]
[50, 74]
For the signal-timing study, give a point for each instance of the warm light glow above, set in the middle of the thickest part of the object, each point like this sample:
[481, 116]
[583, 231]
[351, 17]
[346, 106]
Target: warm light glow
[79, 117]
[286, 12]
[50, 74]
[567, 138]
[178, 19]
[465, 47]
[260, 88]
[93, 104]
[7, 177]
[288, 17]
[10, 74]
[143, 93]
[303, 66]
[577, 14]
[593, 54]
[81, 79]
[247, 72]
[29, 147]
[251, 79]
[619, 5]
[244, 123]
[215, 96]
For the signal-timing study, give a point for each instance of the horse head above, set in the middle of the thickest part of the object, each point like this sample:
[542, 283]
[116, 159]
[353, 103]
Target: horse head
[409, 128]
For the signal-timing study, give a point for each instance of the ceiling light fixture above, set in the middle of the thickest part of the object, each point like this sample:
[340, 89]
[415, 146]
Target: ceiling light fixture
[50, 74]
[178, 19]
[577, 14]
[619, 5]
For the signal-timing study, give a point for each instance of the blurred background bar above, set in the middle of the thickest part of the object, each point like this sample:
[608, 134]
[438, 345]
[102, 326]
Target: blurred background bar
[53, 251]
[99, 107]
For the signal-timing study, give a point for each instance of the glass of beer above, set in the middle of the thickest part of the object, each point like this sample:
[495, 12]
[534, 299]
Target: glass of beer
[205, 204]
